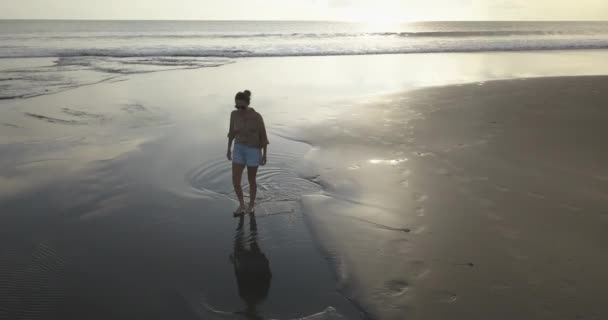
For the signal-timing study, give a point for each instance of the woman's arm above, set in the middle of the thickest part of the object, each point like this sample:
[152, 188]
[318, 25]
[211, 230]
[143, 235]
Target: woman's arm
[263, 140]
[231, 135]
[264, 151]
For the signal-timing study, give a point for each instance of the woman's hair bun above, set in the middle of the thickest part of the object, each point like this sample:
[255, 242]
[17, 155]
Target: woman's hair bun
[244, 96]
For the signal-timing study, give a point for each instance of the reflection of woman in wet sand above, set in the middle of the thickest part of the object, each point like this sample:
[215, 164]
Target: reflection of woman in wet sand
[251, 268]
[248, 132]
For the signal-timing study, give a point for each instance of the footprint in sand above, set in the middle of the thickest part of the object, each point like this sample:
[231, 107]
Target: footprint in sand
[536, 195]
[420, 212]
[423, 154]
[500, 188]
[446, 297]
[423, 274]
[419, 269]
[399, 246]
[570, 207]
[397, 288]
[420, 197]
[420, 230]
[465, 264]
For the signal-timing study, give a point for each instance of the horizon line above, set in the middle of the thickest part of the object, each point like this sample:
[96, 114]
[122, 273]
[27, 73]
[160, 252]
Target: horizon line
[289, 20]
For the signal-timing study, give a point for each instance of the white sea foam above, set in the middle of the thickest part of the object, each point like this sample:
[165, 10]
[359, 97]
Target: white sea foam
[72, 72]
[20, 39]
[317, 47]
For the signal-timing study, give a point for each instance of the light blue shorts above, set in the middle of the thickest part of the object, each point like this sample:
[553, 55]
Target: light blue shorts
[246, 155]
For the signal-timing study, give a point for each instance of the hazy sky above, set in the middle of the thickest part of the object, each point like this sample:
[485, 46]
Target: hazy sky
[370, 10]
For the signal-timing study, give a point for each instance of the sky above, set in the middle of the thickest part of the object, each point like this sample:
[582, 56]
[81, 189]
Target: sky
[364, 10]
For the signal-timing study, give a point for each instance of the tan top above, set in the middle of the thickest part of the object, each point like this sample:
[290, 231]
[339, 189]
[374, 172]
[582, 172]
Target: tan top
[247, 127]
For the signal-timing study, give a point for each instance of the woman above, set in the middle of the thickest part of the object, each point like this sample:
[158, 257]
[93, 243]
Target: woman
[249, 133]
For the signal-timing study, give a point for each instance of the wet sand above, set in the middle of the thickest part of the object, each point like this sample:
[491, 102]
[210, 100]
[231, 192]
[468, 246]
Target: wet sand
[466, 201]
[480, 201]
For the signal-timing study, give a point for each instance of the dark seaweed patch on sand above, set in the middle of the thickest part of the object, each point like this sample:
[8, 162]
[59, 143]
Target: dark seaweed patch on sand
[10, 125]
[134, 107]
[141, 116]
[82, 114]
[53, 120]
[9, 97]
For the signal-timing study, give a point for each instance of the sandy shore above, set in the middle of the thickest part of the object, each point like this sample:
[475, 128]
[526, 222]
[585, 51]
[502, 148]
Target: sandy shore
[481, 201]
[460, 201]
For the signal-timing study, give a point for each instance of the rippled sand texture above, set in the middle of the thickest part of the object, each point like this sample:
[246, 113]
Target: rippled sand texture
[481, 201]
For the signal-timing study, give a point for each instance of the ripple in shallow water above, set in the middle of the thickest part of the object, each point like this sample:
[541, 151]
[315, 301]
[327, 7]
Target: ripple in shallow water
[278, 181]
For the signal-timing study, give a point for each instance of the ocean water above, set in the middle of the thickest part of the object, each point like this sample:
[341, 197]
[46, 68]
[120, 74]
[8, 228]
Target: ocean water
[65, 54]
[255, 39]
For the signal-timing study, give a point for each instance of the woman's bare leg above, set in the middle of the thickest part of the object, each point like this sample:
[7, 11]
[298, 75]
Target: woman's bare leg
[237, 174]
[253, 186]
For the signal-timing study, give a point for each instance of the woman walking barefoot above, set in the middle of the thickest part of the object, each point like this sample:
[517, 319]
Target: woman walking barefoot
[248, 132]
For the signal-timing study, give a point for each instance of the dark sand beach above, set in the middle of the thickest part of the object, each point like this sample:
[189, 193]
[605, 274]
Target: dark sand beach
[489, 202]
[393, 191]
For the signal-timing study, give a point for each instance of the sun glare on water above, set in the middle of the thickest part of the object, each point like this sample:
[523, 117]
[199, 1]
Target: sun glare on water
[387, 161]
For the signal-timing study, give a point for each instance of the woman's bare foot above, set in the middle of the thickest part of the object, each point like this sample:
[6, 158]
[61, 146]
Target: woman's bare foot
[240, 210]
